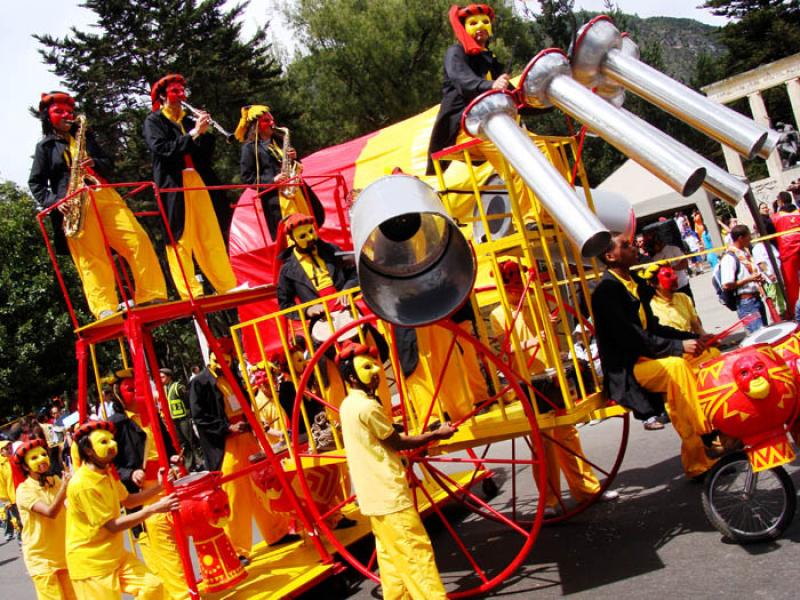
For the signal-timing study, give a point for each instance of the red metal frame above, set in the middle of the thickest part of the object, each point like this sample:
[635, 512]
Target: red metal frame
[419, 456]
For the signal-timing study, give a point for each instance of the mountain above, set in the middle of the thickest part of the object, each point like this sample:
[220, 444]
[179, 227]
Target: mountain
[681, 42]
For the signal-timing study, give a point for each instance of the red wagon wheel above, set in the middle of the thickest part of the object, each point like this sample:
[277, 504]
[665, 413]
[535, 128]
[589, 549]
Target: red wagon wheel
[445, 481]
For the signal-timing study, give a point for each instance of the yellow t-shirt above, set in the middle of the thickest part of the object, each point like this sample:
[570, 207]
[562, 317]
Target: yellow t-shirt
[93, 499]
[678, 313]
[315, 268]
[378, 474]
[43, 546]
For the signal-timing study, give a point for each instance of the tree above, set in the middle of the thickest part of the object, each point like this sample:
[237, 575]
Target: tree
[36, 340]
[366, 65]
[135, 43]
[765, 30]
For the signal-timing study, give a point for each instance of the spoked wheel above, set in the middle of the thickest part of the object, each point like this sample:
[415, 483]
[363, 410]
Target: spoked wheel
[748, 507]
[482, 507]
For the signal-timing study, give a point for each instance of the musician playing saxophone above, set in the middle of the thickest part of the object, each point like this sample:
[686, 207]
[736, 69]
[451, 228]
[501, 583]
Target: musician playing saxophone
[264, 161]
[182, 147]
[53, 163]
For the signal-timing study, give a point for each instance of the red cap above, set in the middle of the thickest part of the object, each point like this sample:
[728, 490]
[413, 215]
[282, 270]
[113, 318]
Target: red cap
[352, 349]
[53, 97]
[160, 86]
[295, 220]
[457, 16]
[22, 450]
[91, 426]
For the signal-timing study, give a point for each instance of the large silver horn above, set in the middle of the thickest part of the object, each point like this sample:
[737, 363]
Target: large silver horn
[414, 265]
[491, 117]
[547, 81]
[597, 58]
[718, 181]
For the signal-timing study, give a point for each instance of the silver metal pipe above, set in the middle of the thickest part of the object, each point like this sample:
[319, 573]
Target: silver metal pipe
[598, 56]
[491, 117]
[718, 181]
[715, 120]
[547, 81]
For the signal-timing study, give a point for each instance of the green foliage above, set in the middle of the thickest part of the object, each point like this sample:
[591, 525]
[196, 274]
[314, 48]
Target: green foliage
[36, 340]
[111, 68]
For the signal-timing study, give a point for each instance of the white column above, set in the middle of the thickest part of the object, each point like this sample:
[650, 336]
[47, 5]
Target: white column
[793, 89]
[774, 166]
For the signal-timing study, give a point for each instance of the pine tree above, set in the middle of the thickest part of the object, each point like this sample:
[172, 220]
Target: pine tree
[111, 67]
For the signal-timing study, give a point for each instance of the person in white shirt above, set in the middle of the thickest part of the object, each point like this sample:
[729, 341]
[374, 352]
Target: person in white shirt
[739, 272]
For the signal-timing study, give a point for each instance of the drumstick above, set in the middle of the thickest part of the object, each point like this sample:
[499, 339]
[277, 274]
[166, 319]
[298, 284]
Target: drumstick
[744, 321]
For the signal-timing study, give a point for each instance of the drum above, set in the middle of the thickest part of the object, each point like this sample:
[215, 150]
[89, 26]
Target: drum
[322, 330]
[204, 511]
[773, 334]
[750, 394]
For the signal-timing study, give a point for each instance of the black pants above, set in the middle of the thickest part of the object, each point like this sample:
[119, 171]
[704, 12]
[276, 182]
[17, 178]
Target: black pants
[192, 452]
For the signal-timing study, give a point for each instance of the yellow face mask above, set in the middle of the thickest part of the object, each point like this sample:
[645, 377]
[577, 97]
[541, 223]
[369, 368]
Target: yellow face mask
[475, 23]
[304, 236]
[367, 369]
[103, 444]
[37, 460]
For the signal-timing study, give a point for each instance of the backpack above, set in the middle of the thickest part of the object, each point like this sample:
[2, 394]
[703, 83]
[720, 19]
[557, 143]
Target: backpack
[727, 298]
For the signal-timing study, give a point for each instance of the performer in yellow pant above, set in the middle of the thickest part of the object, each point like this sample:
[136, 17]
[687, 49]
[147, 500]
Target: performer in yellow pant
[67, 149]
[229, 442]
[562, 445]
[40, 499]
[99, 565]
[182, 147]
[405, 556]
[674, 377]
[201, 240]
[454, 395]
[137, 466]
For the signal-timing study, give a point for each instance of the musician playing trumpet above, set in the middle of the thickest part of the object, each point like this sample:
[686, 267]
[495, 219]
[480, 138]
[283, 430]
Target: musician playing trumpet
[182, 147]
[59, 157]
[264, 161]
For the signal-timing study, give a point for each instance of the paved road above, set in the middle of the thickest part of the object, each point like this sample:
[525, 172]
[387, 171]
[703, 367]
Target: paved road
[651, 542]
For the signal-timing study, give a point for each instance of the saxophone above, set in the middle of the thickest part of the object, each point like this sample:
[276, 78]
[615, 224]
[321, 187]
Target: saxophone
[290, 168]
[75, 207]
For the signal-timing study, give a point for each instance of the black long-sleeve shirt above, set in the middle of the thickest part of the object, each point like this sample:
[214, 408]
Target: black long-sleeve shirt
[466, 76]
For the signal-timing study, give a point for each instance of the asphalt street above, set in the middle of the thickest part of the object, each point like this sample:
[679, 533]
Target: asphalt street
[653, 541]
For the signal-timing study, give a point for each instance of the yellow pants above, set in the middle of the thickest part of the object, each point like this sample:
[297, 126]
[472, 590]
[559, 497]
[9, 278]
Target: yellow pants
[202, 240]
[53, 586]
[130, 578]
[472, 364]
[160, 554]
[674, 377]
[126, 236]
[405, 557]
[244, 499]
[563, 454]
[454, 396]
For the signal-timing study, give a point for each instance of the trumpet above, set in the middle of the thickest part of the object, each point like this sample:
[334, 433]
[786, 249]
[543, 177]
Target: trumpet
[196, 112]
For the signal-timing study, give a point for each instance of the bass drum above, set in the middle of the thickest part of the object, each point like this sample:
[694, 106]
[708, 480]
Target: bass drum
[773, 334]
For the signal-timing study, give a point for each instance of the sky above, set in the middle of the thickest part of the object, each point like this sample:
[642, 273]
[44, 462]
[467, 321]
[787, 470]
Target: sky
[27, 77]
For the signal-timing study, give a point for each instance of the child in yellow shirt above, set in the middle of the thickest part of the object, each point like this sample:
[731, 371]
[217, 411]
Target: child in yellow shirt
[405, 556]
[40, 499]
[99, 565]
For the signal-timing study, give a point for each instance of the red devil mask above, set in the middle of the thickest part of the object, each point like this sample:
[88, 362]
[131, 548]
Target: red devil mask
[458, 15]
[667, 278]
[751, 376]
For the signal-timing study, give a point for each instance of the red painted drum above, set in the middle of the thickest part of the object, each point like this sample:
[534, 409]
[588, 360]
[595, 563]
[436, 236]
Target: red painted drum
[751, 394]
[204, 511]
[789, 350]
